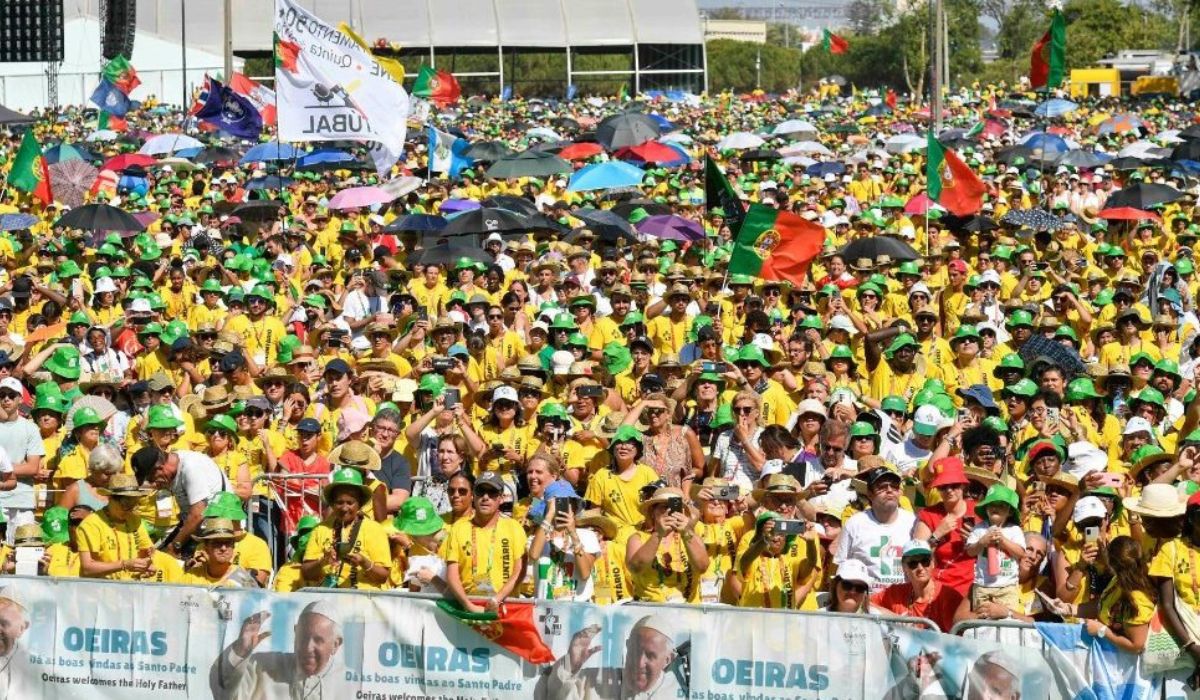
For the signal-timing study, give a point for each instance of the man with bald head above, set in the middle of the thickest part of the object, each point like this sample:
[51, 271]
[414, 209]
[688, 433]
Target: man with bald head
[312, 670]
[647, 674]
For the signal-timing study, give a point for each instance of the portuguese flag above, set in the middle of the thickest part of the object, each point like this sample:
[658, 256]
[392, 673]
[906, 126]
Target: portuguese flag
[951, 183]
[512, 628]
[121, 73]
[437, 86]
[286, 54]
[834, 43]
[719, 193]
[1048, 63]
[776, 245]
[29, 171]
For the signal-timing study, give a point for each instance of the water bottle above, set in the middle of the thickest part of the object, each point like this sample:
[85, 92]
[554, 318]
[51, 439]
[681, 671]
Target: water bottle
[1119, 402]
[544, 566]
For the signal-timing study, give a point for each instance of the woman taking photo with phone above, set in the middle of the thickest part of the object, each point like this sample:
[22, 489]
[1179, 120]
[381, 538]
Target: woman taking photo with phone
[348, 549]
[666, 558]
[564, 554]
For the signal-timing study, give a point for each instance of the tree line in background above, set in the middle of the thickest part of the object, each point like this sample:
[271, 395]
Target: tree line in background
[888, 48]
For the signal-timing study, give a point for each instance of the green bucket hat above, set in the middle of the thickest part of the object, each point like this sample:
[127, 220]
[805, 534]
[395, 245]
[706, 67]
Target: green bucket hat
[1149, 395]
[418, 517]
[68, 269]
[996, 424]
[998, 493]
[262, 291]
[1026, 388]
[347, 477]
[753, 353]
[161, 416]
[577, 340]
[1020, 317]
[53, 402]
[862, 429]
[626, 433]
[225, 504]
[211, 285]
[1010, 361]
[432, 383]
[638, 215]
[1170, 367]
[222, 422]
[1082, 389]
[904, 340]
[85, 416]
[564, 321]
[617, 358]
[965, 332]
[552, 410]
[840, 352]
[908, 267]
[79, 318]
[56, 522]
[64, 362]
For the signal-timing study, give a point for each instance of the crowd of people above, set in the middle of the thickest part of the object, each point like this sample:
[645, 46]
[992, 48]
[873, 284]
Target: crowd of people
[1003, 427]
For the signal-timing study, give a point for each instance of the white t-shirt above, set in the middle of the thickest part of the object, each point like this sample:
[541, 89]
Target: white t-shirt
[906, 456]
[198, 479]
[877, 545]
[564, 579]
[1009, 572]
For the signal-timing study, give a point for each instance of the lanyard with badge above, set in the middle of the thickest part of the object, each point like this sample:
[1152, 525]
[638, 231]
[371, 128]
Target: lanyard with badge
[485, 586]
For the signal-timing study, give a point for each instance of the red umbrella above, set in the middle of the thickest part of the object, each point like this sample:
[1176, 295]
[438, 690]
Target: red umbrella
[649, 152]
[580, 151]
[119, 163]
[1128, 214]
[1060, 130]
[920, 204]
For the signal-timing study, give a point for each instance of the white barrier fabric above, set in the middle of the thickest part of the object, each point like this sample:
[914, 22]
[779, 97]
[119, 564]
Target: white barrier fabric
[71, 639]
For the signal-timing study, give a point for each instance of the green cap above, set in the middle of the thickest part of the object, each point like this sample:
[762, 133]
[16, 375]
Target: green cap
[418, 517]
[904, 340]
[627, 433]
[222, 422]
[161, 416]
[1025, 387]
[433, 383]
[894, 403]
[998, 493]
[86, 415]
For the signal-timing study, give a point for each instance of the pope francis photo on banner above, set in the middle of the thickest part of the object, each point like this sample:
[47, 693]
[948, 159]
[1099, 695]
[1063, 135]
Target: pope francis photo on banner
[313, 670]
[647, 674]
[17, 679]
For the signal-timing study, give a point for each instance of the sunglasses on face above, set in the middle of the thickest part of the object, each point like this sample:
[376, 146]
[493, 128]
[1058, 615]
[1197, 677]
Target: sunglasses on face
[459, 492]
[254, 413]
[918, 563]
[495, 317]
[9, 396]
[744, 410]
[652, 412]
[859, 588]
[486, 492]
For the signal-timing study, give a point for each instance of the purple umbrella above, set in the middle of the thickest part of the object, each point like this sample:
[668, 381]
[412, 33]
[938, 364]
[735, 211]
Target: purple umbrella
[671, 227]
[145, 218]
[451, 206]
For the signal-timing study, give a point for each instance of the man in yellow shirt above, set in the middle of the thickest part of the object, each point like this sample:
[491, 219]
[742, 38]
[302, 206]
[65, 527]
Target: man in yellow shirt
[485, 555]
[112, 542]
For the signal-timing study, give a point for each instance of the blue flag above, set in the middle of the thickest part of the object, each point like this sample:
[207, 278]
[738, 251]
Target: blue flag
[572, 90]
[446, 153]
[506, 93]
[109, 98]
[230, 112]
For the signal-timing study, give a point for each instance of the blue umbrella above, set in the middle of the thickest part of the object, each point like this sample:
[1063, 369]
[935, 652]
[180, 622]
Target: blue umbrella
[67, 151]
[1048, 144]
[416, 222]
[823, 169]
[188, 153]
[606, 176]
[272, 150]
[1055, 108]
[16, 222]
[663, 124]
[323, 157]
[269, 182]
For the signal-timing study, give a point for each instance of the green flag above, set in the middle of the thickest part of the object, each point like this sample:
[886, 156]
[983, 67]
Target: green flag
[30, 172]
[718, 193]
[776, 245]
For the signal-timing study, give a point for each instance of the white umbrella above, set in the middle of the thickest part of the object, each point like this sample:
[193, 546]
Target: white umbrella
[544, 133]
[168, 143]
[103, 135]
[868, 154]
[794, 126]
[802, 148]
[904, 143]
[677, 137]
[1169, 137]
[802, 161]
[1138, 149]
[179, 164]
[401, 186]
[740, 140]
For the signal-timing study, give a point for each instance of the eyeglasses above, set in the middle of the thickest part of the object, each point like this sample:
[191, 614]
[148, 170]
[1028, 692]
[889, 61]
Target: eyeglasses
[744, 410]
[832, 448]
[504, 405]
[919, 563]
[254, 413]
[9, 396]
[895, 414]
[886, 486]
[458, 492]
[513, 309]
[274, 382]
[221, 544]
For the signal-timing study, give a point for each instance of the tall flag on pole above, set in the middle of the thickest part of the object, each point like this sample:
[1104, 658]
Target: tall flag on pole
[438, 86]
[121, 74]
[719, 193]
[1048, 63]
[951, 182]
[446, 153]
[330, 89]
[109, 98]
[834, 43]
[393, 66]
[261, 96]
[29, 171]
[230, 112]
[776, 245]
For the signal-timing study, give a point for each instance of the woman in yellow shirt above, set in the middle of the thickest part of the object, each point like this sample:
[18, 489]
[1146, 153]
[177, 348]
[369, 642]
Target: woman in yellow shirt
[765, 575]
[666, 559]
[348, 549]
[222, 437]
[86, 436]
[616, 488]
[610, 576]
[1123, 611]
[113, 543]
[720, 535]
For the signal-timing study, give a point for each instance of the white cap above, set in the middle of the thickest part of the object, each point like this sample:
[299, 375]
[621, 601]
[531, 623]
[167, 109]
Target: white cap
[360, 343]
[763, 342]
[506, 393]
[560, 362]
[457, 316]
[1088, 507]
[494, 237]
[990, 276]
[105, 284]
[922, 288]
[1137, 424]
[1085, 458]
[928, 419]
[285, 259]
[540, 325]
[767, 185]
[12, 384]
[841, 322]
[854, 570]
[140, 306]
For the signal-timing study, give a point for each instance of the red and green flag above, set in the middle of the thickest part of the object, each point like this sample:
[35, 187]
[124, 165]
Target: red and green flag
[119, 71]
[512, 628]
[286, 54]
[111, 122]
[834, 43]
[1048, 63]
[951, 183]
[29, 171]
[776, 245]
[438, 86]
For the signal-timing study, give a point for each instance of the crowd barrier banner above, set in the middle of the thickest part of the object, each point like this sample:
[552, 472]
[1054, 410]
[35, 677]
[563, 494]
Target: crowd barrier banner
[71, 639]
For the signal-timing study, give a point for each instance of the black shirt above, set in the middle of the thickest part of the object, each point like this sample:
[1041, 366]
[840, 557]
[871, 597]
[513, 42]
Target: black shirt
[395, 472]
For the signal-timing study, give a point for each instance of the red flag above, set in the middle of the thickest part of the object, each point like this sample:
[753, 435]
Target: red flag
[776, 245]
[513, 629]
[1047, 63]
[951, 182]
[890, 100]
[201, 97]
[438, 86]
[834, 43]
[262, 97]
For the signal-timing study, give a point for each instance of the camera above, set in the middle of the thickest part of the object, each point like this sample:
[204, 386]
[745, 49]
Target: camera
[726, 493]
[565, 504]
[591, 391]
[789, 527]
[675, 505]
[710, 366]
[452, 397]
[441, 365]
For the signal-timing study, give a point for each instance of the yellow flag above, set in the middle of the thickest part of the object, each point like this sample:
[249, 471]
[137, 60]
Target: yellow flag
[393, 66]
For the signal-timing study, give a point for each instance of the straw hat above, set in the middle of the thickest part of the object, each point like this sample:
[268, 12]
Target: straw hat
[356, 454]
[29, 535]
[779, 484]
[711, 482]
[123, 485]
[273, 373]
[1157, 501]
[212, 529]
[662, 495]
[597, 519]
[609, 424]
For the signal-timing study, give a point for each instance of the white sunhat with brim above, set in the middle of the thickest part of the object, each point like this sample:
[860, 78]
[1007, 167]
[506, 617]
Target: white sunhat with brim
[854, 570]
[1157, 501]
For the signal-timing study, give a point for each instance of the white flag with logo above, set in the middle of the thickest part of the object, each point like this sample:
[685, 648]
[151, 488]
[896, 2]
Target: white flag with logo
[330, 89]
[441, 150]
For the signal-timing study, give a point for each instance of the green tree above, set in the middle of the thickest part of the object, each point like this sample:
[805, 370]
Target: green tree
[732, 66]
[1096, 28]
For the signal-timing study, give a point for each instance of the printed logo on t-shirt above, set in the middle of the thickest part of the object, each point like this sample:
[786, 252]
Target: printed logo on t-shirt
[888, 555]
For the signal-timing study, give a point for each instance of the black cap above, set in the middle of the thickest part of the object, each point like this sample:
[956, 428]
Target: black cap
[308, 425]
[22, 287]
[139, 388]
[232, 361]
[878, 473]
[641, 340]
[338, 365]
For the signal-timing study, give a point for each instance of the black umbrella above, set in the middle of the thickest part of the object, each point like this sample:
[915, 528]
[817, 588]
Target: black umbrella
[609, 235]
[624, 209]
[549, 146]
[450, 253]
[1188, 150]
[541, 222]
[567, 123]
[258, 210]
[416, 222]
[1127, 163]
[485, 220]
[1010, 155]
[878, 245]
[1036, 219]
[518, 205]
[1039, 349]
[1143, 196]
[528, 164]
[217, 154]
[1192, 132]
[1081, 159]
[760, 154]
[607, 224]
[487, 151]
[970, 224]
[627, 129]
[99, 217]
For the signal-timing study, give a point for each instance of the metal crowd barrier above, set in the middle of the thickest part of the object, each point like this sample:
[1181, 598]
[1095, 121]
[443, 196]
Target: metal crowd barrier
[1013, 633]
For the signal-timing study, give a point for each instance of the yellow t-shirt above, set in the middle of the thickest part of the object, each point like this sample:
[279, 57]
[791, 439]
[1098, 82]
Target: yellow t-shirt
[109, 542]
[1111, 613]
[289, 579]
[1177, 560]
[671, 577]
[487, 557]
[610, 576]
[252, 553]
[619, 498]
[199, 576]
[167, 569]
[372, 541]
[64, 563]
